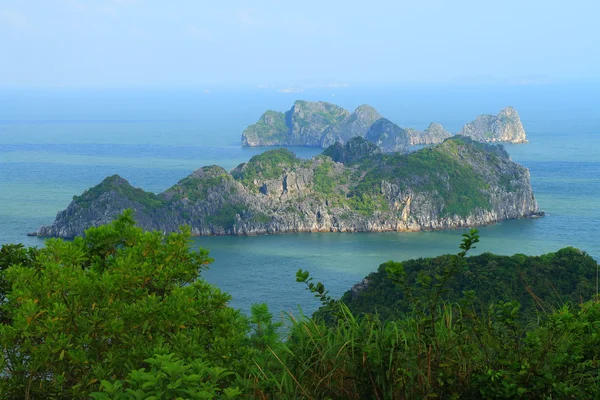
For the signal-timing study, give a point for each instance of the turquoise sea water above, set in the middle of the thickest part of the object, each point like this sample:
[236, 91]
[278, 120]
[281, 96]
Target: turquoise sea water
[57, 143]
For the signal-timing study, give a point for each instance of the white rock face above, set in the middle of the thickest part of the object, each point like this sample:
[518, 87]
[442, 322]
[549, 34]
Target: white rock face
[504, 127]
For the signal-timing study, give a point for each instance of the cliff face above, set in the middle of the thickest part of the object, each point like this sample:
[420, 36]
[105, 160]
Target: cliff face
[434, 134]
[388, 136]
[309, 120]
[504, 127]
[321, 124]
[270, 130]
[455, 184]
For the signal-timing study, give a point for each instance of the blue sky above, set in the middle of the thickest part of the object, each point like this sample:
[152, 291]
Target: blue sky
[180, 43]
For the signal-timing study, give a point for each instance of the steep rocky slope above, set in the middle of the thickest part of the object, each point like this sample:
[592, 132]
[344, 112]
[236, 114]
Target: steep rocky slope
[388, 136]
[457, 183]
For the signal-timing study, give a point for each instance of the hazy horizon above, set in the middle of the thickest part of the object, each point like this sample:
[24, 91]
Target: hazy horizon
[118, 43]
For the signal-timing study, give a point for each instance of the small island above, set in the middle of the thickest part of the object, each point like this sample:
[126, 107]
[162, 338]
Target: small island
[349, 188]
[321, 124]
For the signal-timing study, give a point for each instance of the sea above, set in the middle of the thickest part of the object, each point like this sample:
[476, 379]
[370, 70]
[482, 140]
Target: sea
[57, 142]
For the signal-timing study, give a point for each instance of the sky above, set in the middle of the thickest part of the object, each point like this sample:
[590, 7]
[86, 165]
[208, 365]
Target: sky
[114, 43]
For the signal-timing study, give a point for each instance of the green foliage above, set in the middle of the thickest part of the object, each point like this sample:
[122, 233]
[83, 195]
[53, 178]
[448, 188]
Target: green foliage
[261, 218]
[271, 127]
[225, 217]
[456, 176]
[13, 255]
[324, 180]
[506, 182]
[122, 314]
[326, 114]
[317, 288]
[434, 169]
[538, 283]
[95, 308]
[268, 165]
[439, 349]
[196, 188]
[148, 200]
[461, 356]
[171, 378]
[367, 203]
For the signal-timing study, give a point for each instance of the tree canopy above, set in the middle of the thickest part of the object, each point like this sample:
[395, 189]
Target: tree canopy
[125, 314]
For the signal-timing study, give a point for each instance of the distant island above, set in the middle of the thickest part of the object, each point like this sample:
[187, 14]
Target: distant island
[321, 124]
[349, 188]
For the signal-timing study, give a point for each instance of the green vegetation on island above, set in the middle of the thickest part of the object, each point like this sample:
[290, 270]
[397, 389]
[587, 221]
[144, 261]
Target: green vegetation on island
[352, 187]
[125, 314]
[265, 166]
[321, 124]
[119, 185]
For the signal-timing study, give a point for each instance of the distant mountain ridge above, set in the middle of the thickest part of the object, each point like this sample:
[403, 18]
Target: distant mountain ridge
[321, 124]
[350, 188]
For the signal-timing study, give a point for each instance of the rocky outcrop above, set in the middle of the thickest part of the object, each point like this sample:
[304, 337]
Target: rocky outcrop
[357, 125]
[309, 120]
[388, 136]
[434, 134]
[270, 130]
[457, 183]
[321, 124]
[303, 125]
[354, 150]
[504, 127]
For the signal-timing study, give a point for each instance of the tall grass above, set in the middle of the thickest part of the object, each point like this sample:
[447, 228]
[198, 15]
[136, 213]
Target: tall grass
[440, 350]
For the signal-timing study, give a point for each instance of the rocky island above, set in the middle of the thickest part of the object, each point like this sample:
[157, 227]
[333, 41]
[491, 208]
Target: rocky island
[349, 188]
[321, 124]
[504, 127]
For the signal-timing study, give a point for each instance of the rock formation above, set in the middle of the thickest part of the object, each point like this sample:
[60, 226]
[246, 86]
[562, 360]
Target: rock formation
[457, 183]
[315, 124]
[388, 136]
[357, 125]
[354, 150]
[434, 134]
[321, 124]
[504, 127]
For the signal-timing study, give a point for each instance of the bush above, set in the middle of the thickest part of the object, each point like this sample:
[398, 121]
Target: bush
[95, 308]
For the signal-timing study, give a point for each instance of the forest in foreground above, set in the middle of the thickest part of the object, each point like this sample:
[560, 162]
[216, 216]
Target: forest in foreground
[125, 314]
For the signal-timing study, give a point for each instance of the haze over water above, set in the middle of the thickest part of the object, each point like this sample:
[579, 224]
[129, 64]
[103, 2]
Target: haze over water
[56, 143]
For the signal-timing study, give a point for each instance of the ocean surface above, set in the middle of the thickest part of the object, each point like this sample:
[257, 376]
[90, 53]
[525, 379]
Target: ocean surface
[55, 143]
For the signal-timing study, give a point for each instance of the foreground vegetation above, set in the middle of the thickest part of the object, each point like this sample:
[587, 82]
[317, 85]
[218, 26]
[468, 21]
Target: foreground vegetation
[125, 314]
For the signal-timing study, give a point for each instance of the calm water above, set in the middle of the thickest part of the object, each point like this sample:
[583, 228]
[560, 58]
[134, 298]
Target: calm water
[57, 143]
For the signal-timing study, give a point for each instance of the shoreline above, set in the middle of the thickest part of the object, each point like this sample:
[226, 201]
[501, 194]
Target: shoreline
[267, 232]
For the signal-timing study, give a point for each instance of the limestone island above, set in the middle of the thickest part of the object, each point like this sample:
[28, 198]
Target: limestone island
[349, 188]
[321, 124]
